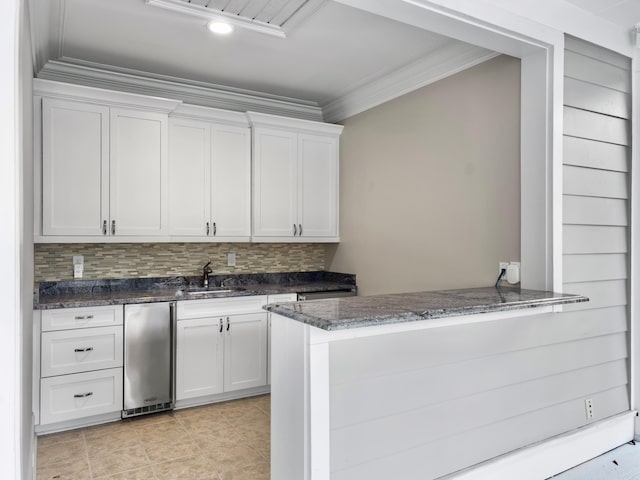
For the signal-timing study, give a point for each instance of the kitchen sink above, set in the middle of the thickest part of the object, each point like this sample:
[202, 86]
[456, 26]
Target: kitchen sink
[205, 291]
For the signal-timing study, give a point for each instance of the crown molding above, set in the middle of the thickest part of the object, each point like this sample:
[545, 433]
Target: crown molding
[164, 86]
[446, 61]
[195, 112]
[272, 121]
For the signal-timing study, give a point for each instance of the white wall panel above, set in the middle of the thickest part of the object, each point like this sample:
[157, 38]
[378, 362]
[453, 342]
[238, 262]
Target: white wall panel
[594, 183]
[597, 72]
[587, 96]
[586, 268]
[594, 239]
[591, 153]
[579, 210]
[595, 126]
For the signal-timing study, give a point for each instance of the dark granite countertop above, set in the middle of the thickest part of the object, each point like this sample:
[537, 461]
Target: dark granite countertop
[354, 312]
[90, 293]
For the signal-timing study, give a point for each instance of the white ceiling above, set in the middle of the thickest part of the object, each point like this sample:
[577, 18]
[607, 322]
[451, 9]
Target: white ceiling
[625, 13]
[336, 50]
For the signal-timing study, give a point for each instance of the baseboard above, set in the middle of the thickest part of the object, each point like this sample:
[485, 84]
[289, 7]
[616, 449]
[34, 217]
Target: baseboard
[222, 397]
[557, 454]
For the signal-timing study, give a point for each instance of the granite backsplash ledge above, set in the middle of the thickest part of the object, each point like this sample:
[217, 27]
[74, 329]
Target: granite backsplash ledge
[53, 262]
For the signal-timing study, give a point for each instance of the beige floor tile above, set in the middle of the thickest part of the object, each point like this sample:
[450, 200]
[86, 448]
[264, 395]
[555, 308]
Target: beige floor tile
[204, 424]
[205, 410]
[164, 451]
[61, 452]
[208, 442]
[170, 431]
[118, 461]
[191, 468]
[53, 438]
[144, 473]
[77, 469]
[118, 440]
[106, 428]
[258, 471]
[235, 457]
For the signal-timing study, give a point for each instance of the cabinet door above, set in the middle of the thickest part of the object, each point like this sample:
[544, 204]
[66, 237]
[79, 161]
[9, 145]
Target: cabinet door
[138, 173]
[318, 180]
[275, 183]
[199, 358]
[231, 181]
[190, 173]
[245, 352]
[75, 156]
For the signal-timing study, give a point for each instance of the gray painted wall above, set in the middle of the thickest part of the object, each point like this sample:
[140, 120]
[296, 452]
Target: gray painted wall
[430, 184]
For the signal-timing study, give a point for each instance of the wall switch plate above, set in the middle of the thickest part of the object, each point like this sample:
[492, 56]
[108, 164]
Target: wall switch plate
[588, 406]
[502, 265]
[78, 266]
[231, 259]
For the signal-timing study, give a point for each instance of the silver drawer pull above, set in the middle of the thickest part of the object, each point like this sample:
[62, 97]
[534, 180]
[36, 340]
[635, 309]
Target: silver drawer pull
[84, 317]
[104, 227]
[83, 395]
[215, 229]
[299, 229]
[207, 228]
[86, 349]
[295, 230]
[113, 227]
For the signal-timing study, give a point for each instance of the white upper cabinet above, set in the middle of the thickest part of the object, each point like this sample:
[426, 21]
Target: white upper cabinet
[75, 182]
[295, 179]
[104, 169]
[210, 179]
[138, 173]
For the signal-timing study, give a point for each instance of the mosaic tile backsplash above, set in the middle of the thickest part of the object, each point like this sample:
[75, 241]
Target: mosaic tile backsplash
[53, 262]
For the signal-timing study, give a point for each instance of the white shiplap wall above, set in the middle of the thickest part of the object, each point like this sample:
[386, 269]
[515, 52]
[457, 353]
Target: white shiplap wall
[441, 400]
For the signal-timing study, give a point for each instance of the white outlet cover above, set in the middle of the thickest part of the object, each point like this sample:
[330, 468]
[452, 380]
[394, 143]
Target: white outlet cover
[231, 259]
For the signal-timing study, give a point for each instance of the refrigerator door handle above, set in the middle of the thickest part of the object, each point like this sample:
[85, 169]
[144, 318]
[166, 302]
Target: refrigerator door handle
[174, 334]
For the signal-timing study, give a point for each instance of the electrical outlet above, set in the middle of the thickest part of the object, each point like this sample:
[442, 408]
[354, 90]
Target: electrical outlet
[588, 405]
[502, 265]
[231, 259]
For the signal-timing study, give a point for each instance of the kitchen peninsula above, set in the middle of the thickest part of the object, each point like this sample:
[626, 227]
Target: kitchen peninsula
[383, 386]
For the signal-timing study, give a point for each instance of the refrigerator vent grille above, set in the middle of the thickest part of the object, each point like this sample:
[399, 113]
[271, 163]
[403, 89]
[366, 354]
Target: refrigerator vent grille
[158, 407]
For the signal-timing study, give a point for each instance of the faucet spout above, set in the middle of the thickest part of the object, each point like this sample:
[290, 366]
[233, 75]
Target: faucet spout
[206, 271]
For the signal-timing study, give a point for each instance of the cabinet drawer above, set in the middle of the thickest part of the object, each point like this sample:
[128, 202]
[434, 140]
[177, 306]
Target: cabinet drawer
[68, 318]
[81, 350]
[68, 397]
[220, 306]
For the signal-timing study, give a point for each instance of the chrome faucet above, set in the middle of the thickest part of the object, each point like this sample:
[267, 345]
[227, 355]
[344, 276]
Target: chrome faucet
[206, 271]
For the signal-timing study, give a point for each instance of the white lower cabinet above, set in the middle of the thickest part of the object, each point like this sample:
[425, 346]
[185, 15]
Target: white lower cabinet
[199, 358]
[221, 346]
[69, 397]
[80, 368]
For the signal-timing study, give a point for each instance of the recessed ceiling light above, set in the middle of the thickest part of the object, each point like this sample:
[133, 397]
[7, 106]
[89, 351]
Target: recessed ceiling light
[221, 28]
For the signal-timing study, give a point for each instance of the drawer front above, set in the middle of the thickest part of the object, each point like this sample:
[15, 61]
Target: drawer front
[68, 318]
[282, 297]
[69, 397]
[81, 350]
[220, 306]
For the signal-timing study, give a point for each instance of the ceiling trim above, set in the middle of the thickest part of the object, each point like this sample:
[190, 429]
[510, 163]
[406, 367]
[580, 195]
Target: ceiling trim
[196, 93]
[450, 59]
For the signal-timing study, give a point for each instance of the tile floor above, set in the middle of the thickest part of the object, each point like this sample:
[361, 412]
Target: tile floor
[225, 441]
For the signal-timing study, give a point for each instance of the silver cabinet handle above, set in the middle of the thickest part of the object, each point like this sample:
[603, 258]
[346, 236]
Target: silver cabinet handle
[113, 227]
[215, 229]
[85, 349]
[220, 325]
[207, 228]
[299, 229]
[228, 324]
[295, 230]
[104, 227]
[83, 395]
[84, 317]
